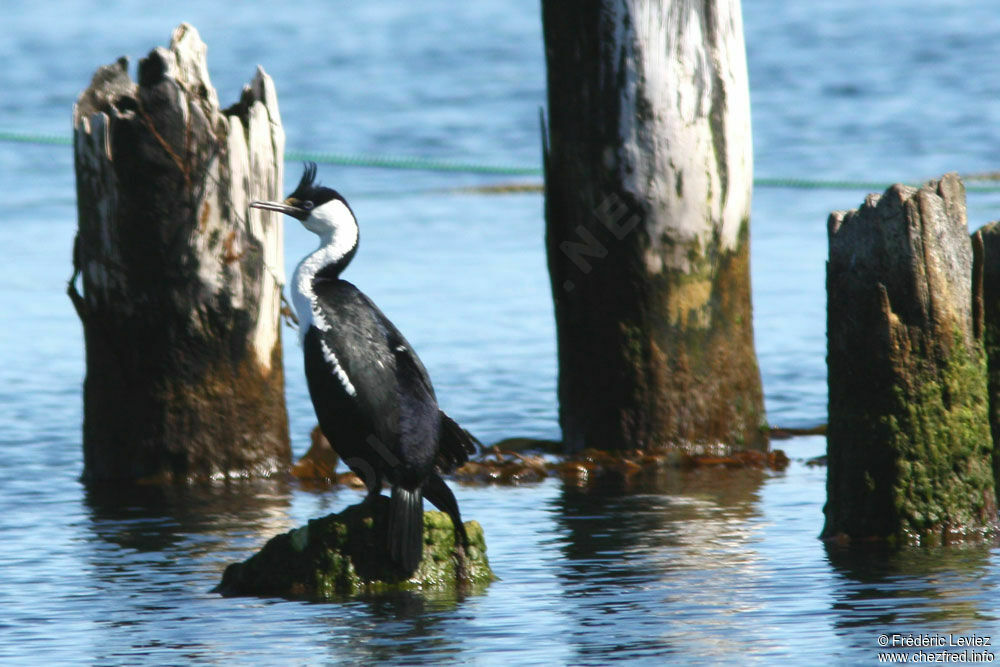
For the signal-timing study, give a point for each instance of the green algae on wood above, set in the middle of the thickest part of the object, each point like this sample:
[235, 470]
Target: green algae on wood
[346, 554]
[909, 449]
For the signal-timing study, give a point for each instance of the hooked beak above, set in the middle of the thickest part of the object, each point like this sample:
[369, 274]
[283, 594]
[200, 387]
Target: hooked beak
[280, 207]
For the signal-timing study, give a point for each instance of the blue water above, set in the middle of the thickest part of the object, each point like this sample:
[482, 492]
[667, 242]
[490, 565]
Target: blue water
[702, 567]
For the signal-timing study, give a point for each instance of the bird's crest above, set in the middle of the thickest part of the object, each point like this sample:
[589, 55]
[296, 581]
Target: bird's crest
[307, 185]
[308, 190]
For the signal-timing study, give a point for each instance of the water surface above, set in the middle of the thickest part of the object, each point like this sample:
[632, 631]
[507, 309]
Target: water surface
[702, 566]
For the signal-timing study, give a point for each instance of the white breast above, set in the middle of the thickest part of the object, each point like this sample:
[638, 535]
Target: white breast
[309, 313]
[303, 295]
[338, 235]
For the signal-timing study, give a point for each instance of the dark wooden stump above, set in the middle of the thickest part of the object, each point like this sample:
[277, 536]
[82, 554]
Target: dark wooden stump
[987, 274]
[648, 175]
[909, 447]
[181, 282]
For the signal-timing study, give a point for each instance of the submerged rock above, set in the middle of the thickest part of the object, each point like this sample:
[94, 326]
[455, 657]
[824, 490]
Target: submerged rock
[593, 467]
[347, 553]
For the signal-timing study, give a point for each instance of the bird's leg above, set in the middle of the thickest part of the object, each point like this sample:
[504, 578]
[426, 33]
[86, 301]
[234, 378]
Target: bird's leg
[371, 478]
[436, 491]
[373, 492]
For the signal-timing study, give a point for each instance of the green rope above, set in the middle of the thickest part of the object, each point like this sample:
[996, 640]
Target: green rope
[422, 164]
[807, 184]
[410, 163]
[45, 139]
[870, 186]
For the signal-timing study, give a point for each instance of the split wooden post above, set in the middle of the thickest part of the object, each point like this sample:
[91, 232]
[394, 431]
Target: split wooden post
[648, 178]
[181, 282]
[909, 449]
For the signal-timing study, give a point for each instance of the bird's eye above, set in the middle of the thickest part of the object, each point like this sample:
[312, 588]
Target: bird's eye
[307, 205]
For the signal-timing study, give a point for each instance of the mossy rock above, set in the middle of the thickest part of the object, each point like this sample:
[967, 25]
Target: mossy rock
[347, 554]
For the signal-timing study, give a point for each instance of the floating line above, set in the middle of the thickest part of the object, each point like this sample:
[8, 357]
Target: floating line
[411, 163]
[990, 179]
[45, 139]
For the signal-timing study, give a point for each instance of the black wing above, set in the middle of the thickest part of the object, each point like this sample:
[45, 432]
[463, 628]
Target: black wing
[392, 389]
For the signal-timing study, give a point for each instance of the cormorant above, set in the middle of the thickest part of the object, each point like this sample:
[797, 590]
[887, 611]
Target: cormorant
[372, 395]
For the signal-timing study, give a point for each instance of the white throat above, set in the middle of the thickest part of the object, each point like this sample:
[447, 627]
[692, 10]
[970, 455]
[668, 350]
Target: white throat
[338, 236]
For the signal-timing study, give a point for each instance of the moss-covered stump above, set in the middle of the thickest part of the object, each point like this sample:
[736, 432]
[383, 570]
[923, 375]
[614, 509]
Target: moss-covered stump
[908, 446]
[347, 553]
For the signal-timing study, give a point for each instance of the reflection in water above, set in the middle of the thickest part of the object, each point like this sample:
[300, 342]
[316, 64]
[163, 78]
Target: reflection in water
[663, 570]
[420, 626]
[155, 518]
[150, 545]
[941, 587]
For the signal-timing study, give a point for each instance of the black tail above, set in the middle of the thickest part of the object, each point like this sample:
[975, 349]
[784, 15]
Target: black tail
[406, 528]
[441, 496]
[454, 445]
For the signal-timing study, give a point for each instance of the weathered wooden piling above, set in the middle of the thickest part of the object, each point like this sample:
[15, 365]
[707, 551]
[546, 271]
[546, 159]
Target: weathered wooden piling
[181, 282]
[909, 447]
[986, 274]
[648, 175]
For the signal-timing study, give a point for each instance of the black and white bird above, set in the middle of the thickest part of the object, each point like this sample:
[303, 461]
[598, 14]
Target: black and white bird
[371, 393]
